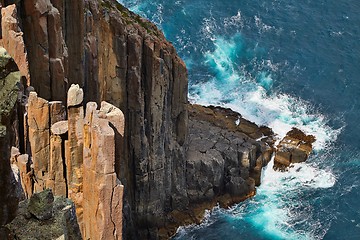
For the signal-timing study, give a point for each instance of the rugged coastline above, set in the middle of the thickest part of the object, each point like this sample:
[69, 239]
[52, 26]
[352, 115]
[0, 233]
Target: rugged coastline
[172, 159]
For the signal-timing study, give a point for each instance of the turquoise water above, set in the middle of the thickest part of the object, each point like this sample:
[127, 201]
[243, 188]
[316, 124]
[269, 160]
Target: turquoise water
[282, 64]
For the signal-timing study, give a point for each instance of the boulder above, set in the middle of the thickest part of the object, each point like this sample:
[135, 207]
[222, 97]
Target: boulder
[49, 218]
[295, 147]
[41, 205]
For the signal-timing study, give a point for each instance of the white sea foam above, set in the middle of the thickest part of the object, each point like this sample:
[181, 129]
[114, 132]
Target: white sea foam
[235, 20]
[252, 96]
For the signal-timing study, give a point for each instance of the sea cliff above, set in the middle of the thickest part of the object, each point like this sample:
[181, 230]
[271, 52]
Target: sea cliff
[147, 160]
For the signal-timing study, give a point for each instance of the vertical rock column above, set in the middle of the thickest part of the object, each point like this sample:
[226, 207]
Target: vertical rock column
[57, 180]
[9, 79]
[103, 192]
[59, 129]
[74, 148]
[12, 39]
[39, 136]
[25, 174]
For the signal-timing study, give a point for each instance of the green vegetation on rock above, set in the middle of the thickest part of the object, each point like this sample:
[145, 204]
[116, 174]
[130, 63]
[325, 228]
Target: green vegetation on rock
[9, 81]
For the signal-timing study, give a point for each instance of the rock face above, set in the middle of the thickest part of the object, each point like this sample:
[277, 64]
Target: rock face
[39, 135]
[222, 159]
[9, 80]
[295, 147]
[103, 192]
[165, 164]
[44, 216]
[12, 39]
[76, 158]
[74, 148]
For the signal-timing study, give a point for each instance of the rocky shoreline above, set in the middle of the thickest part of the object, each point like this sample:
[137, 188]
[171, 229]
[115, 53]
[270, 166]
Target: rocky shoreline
[147, 161]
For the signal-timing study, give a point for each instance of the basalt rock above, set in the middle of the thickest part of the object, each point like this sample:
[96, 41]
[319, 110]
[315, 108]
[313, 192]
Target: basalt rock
[295, 147]
[12, 39]
[169, 167]
[44, 216]
[79, 162]
[9, 87]
[103, 192]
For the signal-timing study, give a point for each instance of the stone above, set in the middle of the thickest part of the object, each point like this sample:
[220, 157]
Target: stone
[41, 205]
[60, 128]
[74, 148]
[62, 225]
[75, 96]
[295, 147]
[114, 115]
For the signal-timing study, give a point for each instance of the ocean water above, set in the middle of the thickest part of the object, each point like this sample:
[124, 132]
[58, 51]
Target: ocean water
[280, 63]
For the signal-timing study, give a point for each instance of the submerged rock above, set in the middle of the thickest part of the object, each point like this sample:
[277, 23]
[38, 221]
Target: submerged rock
[295, 147]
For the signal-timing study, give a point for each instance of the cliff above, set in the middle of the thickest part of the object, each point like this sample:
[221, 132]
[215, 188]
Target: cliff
[171, 159]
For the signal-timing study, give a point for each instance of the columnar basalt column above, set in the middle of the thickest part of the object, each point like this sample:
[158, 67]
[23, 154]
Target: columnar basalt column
[12, 39]
[57, 112]
[39, 136]
[74, 160]
[25, 174]
[103, 192]
[57, 180]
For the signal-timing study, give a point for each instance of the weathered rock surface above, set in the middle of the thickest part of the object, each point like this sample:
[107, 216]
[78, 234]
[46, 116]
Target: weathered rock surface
[84, 173]
[9, 80]
[172, 168]
[41, 205]
[74, 149]
[12, 39]
[44, 39]
[103, 192]
[39, 135]
[295, 147]
[44, 216]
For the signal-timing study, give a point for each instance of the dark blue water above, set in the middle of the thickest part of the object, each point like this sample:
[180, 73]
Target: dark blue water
[283, 64]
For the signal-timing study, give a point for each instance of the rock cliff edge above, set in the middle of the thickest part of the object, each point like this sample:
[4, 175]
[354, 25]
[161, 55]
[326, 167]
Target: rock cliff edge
[143, 163]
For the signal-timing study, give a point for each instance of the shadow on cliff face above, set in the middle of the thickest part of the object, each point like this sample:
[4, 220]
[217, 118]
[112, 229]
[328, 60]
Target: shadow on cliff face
[9, 129]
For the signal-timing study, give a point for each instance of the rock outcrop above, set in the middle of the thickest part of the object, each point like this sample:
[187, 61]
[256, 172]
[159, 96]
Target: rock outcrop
[12, 39]
[168, 166]
[44, 216]
[76, 158]
[103, 191]
[295, 147]
[9, 87]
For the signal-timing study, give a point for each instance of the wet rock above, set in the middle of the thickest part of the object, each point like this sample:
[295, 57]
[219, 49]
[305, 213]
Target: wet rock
[295, 147]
